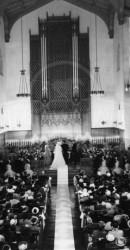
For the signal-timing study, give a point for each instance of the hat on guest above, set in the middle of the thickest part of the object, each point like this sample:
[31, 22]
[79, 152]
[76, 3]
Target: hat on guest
[29, 192]
[108, 174]
[6, 247]
[113, 181]
[92, 185]
[23, 245]
[128, 196]
[99, 173]
[103, 203]
[128, 223]
[81, 180]
[108, 192]
[89, 220]
[120, 242]
[124, 194]
[85, 192]
[79, 192]
[13, 222]
[110, 237]
[117, 196]
[1, 222]
[2, 238]
[30, 197]
[108, 205]
[101, 224]
[35, 210]
[34, 220]
[10, 189]
[108, 226]
[24, 208]
[117, 202]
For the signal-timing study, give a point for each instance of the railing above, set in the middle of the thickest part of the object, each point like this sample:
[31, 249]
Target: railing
[94, 140]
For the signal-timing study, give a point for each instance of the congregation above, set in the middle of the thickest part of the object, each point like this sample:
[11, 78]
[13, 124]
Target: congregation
[104, 201]
[23, 202]
[103, 195]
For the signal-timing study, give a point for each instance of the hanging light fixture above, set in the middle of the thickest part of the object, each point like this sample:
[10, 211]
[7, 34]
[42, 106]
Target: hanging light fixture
[23, 87]
[96, 88]
[127, 84]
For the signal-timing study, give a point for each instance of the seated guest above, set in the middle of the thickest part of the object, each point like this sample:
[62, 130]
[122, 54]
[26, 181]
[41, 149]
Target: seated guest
[117, 169]
[23, 245]
[99, 235]
[47, 156]
[116, 231]
[127, 167]
[2, 241]
[9, 172]
[110, 210]
[100, 232]
[28, 173]
[103, 169]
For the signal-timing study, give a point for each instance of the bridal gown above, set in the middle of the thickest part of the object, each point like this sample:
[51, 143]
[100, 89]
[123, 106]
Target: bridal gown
[58, 161]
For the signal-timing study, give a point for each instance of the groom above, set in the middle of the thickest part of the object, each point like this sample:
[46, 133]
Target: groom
[65, 149]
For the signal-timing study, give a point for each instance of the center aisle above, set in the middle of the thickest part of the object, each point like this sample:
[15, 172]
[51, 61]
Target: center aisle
[64, 238]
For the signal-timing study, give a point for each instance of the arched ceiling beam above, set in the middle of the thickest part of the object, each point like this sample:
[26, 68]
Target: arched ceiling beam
[111, 22]
[3, 5]
[121, 12]
[6, 27]
[11, 20]
[102, 12]
[119, 8]
[105, 9]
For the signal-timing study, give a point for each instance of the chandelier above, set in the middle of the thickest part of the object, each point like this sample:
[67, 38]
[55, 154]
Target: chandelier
[96, 88]
[23, 87]
[127, 84]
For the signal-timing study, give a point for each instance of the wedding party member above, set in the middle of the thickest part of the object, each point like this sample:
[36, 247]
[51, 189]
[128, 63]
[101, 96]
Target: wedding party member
[65, 149]
[47, 156]
[58, 161]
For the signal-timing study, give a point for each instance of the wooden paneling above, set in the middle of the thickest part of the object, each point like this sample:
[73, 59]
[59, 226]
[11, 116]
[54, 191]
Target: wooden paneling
[18, 135]
[2, 139]
[106, 132]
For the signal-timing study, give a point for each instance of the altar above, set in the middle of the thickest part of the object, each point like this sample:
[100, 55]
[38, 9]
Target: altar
[66, 125]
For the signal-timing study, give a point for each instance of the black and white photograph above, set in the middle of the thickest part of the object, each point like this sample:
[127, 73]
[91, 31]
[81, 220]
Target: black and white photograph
[64, 124]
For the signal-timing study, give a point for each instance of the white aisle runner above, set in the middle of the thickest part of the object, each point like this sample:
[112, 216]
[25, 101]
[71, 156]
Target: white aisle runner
[64, 238]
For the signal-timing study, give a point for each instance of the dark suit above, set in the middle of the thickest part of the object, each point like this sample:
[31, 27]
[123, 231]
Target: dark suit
[65, 148]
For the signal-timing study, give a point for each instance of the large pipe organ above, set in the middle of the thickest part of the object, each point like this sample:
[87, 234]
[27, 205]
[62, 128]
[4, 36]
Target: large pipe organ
[60, 78]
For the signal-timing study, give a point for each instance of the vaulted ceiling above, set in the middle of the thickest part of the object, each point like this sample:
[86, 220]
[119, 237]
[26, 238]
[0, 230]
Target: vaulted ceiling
[12, 10]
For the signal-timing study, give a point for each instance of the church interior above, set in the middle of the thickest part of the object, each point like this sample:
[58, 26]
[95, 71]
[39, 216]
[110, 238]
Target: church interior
[64, 99]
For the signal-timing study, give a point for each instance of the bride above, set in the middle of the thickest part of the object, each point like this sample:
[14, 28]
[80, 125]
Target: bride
[58, 161]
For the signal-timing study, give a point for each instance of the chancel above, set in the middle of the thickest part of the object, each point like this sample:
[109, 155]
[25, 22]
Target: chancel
[64, 124]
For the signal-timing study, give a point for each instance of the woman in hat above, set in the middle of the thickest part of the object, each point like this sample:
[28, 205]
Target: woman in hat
[116, 231]
[103, 169]
[47, 156]
[117, 169]
[23, 245]
[27, 170]
[6, 247]
[9, 172]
